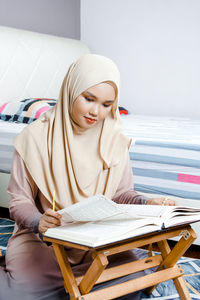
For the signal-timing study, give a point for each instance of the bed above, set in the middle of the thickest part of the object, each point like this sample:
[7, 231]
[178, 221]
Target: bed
[8, 131]
[165, 157]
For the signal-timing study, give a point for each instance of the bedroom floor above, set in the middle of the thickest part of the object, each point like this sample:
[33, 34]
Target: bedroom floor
[193, 251]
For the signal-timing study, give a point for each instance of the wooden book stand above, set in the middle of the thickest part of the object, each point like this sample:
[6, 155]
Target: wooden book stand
[80, 287]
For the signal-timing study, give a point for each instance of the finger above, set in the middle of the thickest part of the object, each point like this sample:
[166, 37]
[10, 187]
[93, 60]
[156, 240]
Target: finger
[172, 203]
[155, 201]
[43, 229]
[45, 225]
[46, 222]
[169, 202]
[49, 225]
[51, 220]
[51, 212]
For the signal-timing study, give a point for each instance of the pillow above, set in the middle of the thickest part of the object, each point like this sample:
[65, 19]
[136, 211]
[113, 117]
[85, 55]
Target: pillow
[123, 111]
[28, 110]
[25, 111]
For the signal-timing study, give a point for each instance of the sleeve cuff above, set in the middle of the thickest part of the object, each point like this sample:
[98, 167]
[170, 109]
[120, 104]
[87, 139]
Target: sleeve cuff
[35, 222]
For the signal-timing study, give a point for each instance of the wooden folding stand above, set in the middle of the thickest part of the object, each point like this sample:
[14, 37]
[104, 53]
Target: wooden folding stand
[80, 287]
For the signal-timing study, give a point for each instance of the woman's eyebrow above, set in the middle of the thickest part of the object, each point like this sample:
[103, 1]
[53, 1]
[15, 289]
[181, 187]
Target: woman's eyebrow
[91, 95]
[109, 101]
[95, 97]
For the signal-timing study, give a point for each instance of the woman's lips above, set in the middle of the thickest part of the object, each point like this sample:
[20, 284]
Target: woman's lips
[90, 120]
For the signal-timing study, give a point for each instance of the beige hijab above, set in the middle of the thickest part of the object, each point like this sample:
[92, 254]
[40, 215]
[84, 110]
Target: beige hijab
[76, 166]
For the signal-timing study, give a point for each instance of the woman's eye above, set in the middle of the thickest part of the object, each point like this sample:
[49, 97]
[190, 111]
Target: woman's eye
[107, 105]
[89, 99]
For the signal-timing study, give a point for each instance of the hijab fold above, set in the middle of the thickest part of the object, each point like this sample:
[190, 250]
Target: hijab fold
[76, 166]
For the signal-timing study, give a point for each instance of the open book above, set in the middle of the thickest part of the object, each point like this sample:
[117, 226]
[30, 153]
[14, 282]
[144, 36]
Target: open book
[98, 221]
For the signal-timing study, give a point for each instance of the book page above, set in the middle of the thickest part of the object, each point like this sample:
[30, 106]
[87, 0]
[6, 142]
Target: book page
[181, 215]
[146, 210]
[181, 219]
[168, 215]
[99, 207]
[102, 232]
[92, 209]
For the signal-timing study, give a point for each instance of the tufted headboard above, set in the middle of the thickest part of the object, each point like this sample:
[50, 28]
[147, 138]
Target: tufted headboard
[34, 64]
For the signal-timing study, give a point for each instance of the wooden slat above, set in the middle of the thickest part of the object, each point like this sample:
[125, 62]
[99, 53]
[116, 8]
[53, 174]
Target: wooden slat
[132, 285]
[130, 268]
[140, 241]
[65, 243]
[126, 269]
[70, 281]
[179, 249]
[182, 289]
[179, 282]
[170, 259]
[93, 273]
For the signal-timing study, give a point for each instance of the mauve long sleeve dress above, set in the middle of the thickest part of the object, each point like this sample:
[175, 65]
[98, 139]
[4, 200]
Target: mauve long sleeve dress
[30, 262]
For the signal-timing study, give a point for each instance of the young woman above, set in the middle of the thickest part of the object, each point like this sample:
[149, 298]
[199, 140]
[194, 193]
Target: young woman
[77, 149]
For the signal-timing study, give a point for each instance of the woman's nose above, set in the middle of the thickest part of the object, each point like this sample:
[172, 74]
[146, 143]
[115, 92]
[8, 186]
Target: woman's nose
[94, 109]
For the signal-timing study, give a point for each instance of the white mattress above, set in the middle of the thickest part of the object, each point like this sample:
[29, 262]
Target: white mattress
[184, 130]
[8, 131]
[165, 154]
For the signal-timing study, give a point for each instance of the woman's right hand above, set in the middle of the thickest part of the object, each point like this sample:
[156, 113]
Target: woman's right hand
[49, 219]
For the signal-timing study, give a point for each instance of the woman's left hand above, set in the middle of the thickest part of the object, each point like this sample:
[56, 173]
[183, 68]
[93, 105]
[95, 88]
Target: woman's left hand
[161, 201]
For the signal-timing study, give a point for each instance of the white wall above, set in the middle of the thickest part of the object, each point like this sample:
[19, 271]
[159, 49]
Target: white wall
[156, 44]
[56, 17]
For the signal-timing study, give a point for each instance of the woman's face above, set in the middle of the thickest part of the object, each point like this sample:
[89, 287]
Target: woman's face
[93, 105]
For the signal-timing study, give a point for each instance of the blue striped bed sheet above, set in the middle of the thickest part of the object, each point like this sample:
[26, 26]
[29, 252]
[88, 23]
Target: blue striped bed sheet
[168, 163]
[8, 131]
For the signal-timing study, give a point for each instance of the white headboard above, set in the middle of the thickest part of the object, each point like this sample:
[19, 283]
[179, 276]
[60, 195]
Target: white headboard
[34, 64]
